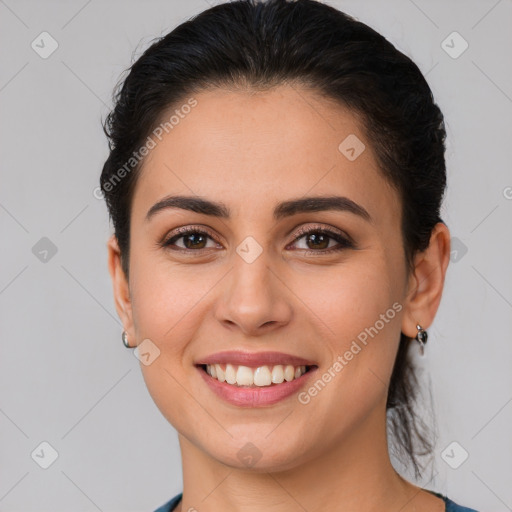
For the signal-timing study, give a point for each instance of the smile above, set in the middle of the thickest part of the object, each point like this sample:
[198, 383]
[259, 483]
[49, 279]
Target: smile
[265, 393]
[266, 375]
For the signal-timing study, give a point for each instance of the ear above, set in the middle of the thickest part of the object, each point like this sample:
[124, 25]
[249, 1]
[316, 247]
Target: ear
[121, 288]
[426, 282]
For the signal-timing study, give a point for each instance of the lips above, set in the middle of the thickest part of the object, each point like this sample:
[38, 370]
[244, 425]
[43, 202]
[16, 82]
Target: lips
[254, 359]
[248, 396]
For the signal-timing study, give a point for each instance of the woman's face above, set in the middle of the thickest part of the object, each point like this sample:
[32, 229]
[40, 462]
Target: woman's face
[256, 283]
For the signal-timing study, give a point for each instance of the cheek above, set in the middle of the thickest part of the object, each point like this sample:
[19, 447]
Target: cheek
[165, 304]
[349, 299]
[357, 310]
[362, 310]
[169, 303]
[162, 298]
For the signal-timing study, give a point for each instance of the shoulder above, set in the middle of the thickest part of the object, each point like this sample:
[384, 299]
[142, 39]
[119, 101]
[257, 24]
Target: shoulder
[451, 506]
[454, 507]
[169, 506]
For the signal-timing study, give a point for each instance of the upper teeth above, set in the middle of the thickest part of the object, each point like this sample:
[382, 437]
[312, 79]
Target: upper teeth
[261, 376]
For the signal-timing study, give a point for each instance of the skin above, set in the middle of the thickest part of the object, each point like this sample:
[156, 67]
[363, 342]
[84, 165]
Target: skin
[250, 151]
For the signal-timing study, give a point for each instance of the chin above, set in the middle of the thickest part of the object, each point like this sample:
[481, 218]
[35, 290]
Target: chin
[257, 453]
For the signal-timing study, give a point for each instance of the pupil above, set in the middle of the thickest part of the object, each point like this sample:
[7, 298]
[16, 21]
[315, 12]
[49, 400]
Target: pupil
[198, 238]
[318, 238]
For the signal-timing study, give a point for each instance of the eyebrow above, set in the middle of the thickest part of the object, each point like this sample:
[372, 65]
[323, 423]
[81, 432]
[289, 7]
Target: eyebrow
[285, 209]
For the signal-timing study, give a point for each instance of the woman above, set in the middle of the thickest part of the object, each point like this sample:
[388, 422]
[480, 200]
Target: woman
[275, 178]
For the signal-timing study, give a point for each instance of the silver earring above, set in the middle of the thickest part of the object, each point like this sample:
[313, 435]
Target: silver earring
[124, 337]
[421, 338]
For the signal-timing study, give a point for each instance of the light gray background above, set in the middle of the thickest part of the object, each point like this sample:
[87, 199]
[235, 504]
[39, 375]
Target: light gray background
[66, 378]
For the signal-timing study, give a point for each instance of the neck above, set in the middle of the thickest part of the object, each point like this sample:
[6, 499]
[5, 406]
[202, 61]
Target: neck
[354, 474]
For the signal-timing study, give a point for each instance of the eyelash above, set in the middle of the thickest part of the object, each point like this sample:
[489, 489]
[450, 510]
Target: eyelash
[344, 243]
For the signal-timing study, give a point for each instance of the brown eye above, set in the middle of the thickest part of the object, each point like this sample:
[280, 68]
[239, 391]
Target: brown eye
[193, 239]
[318, 240]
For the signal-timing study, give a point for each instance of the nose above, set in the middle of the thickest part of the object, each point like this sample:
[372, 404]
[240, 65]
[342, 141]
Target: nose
[254, 298]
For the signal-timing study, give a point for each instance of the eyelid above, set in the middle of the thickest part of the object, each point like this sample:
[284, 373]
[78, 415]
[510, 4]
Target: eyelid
[184, 230]
[304, 230]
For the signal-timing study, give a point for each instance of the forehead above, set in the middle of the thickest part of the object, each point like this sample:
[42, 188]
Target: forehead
[250, 150]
